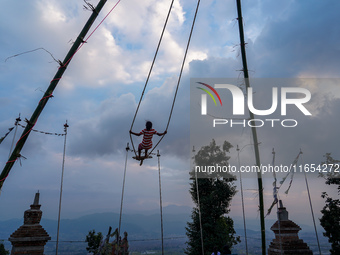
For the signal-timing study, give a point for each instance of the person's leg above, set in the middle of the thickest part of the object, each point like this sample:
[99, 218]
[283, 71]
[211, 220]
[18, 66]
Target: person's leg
[139, 150]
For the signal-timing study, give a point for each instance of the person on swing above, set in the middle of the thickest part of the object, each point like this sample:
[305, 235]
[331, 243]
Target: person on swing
[146, 144]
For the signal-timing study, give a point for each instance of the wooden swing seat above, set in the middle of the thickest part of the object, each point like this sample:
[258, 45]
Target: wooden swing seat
[141, 158]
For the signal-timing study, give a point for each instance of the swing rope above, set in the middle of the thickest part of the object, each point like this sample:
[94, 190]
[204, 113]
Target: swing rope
[61, 186]
[149, 74]
[178, 81]
[242, 198]
[183, 63]
[180, 74]
[160, 198]
[121, 201]
[312, 211]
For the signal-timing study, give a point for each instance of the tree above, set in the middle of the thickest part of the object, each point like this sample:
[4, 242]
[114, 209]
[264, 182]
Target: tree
[2, 250]
[215, 194]
[93, 241]
[330, 219]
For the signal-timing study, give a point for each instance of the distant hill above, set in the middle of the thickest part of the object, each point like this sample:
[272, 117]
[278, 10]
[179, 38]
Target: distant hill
[144, 230]
[145, 225]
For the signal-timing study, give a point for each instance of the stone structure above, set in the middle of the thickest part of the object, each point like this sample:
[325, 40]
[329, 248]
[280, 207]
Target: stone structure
[286, 236]
[30, 238]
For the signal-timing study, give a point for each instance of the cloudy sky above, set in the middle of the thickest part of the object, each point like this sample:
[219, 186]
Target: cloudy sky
[100, 90]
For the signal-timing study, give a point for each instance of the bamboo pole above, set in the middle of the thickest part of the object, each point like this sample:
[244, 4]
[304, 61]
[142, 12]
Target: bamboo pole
[253, 129]
[61, 187]
[48, 94]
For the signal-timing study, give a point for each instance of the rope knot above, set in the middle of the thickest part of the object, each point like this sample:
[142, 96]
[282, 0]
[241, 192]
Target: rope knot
[28, 122]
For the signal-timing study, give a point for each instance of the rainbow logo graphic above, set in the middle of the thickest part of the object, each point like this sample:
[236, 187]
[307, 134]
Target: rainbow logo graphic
[209, 93]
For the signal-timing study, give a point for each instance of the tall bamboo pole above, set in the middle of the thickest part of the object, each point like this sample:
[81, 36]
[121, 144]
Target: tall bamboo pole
[253, 129]
[48, 94]
[61, 186]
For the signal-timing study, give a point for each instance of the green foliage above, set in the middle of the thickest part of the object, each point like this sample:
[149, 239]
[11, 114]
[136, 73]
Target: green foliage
[330, 219]
[331, 177]
[107, 249]
[93, 241]
[330, 222]
[215, 195]
[2, 250]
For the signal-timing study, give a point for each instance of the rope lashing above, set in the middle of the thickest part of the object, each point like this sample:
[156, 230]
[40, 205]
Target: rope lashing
[29, 123]
[12, 161]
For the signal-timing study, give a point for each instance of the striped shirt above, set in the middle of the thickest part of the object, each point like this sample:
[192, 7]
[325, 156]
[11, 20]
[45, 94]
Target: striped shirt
[147, 138]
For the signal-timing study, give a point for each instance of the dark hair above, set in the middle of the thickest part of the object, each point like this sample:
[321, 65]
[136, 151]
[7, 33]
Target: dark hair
[148, 125]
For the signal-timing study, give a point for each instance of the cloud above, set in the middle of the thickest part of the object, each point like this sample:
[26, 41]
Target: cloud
[105, 130]
[303, 43]
[214, 67]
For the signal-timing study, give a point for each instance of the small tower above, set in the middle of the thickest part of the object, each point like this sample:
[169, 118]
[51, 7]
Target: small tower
[286, 236]
[30, 238]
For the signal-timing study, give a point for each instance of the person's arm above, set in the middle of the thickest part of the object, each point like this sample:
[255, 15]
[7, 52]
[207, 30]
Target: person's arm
[137, 134]
[162, 133]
